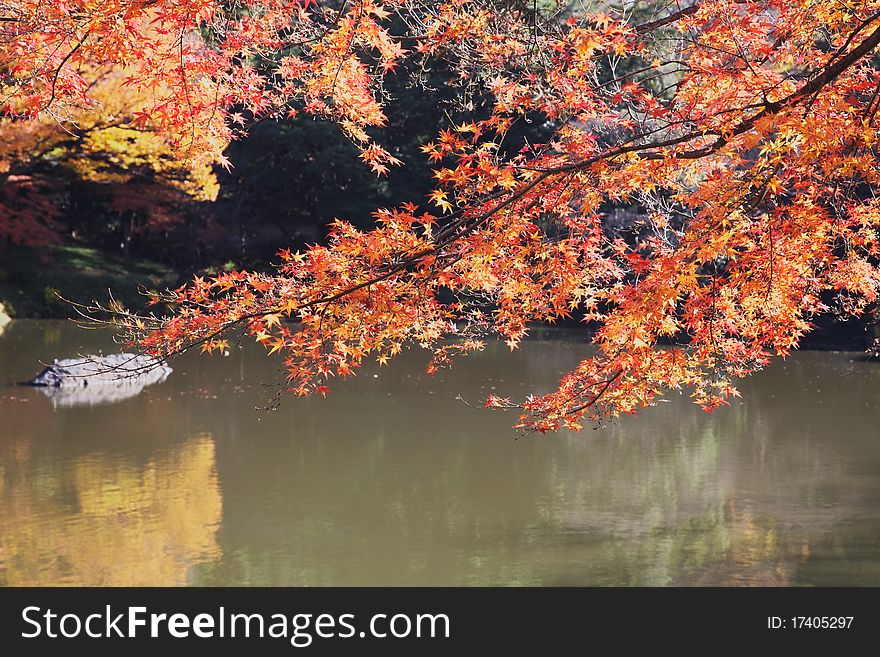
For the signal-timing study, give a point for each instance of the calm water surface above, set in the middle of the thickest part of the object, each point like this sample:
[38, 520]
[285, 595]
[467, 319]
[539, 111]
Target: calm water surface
[391, 481]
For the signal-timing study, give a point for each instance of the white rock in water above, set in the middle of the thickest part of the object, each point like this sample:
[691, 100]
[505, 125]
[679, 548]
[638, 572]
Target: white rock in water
[93, 380]
[4, 318]
[115, 369]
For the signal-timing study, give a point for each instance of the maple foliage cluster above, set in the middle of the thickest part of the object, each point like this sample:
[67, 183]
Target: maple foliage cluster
[744, 130]
[137, 172]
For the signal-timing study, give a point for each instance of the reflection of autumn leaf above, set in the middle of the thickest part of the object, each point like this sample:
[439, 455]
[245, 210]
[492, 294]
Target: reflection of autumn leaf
[135, 526]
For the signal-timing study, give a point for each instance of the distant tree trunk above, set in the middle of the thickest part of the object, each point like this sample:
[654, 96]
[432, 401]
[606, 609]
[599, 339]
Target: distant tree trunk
[242, 233]
[127, 230]
[193, 241]
[4, 238]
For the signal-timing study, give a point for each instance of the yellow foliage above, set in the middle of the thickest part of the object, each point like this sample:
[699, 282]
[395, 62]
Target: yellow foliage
[133, 526]
[107, 143]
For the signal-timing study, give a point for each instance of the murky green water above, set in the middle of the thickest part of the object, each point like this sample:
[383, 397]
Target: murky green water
[391, 481]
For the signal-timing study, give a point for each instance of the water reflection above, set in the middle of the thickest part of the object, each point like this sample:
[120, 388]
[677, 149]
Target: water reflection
[97, 519]
[90, 380]
[94, 395]
[391, 481]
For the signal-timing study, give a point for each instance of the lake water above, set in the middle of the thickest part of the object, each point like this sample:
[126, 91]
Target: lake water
[392, 481]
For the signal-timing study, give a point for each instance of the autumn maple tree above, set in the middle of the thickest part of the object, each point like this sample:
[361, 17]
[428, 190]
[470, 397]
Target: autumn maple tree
[104, 143]
[742, 133]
